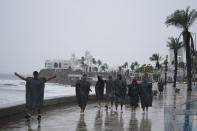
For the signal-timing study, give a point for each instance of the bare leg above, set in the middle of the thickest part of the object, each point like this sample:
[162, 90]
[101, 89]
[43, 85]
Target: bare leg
[106, 106]
[112, 104]
[82, 110]
[99, 102]
[121, 106]
[29, 113]
[147, 108]
[116, 106]
[143, 108]
[39, 115]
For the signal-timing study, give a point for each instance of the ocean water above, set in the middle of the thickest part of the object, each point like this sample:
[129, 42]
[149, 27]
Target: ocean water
[12, 91]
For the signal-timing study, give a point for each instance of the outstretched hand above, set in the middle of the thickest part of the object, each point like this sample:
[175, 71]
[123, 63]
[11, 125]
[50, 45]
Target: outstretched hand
[50, 78]
[21, 77]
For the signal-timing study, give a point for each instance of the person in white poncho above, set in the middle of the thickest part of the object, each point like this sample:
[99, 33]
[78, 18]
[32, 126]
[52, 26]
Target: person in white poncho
[155, 88]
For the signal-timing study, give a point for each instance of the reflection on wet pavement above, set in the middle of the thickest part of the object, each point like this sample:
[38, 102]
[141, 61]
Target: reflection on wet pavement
[99, 119]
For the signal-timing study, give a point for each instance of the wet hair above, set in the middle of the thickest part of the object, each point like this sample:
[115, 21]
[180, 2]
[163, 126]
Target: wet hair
[120, 76]
[145, 75]
[100, 78]
[35, 73]
[85, 75]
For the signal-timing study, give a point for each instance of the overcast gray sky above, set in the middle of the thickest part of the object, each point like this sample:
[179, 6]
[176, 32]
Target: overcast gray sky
[114, 31]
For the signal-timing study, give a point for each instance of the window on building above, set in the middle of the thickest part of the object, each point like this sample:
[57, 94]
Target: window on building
[55, 65]
[60, 65]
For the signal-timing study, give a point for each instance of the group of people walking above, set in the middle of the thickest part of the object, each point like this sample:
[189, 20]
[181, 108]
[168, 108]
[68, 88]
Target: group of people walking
[116, 91]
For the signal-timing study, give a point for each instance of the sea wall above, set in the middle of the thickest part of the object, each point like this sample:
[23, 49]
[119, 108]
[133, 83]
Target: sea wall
[67, 100]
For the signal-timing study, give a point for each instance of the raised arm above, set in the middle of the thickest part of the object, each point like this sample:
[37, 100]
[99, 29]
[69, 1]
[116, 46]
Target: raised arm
[19, 76]
[50, 78]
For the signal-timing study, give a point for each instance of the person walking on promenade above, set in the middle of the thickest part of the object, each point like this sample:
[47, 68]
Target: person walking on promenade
[82, 92]
[99, 89]
[120, 91]
[145, 90]
[160, 86]
[155, 88]
[134, 94]
[34, 93]
[109, 92]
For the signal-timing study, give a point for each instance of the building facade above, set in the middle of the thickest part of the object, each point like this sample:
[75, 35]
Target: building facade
[85, 65]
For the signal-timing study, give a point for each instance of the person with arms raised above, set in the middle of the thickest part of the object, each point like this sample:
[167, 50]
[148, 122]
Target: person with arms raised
[34, 93]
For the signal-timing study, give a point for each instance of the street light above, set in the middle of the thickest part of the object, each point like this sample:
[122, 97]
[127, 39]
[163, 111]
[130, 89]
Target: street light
[179, 57]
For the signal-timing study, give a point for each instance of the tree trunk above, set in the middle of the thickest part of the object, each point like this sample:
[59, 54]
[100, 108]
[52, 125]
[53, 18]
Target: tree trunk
[175, 67]
[166, 70]
[186, 39]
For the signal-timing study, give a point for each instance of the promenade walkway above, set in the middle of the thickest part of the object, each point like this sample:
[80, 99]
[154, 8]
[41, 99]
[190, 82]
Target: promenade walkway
[68, 118]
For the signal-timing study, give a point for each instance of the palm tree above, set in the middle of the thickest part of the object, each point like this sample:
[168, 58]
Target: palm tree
[103, 68]
[132, 66]
[156, 58]
[126, 65]
[120, 69]
[174, 45]
[99, 63]
[106, 66]
[184, 19]
[83, 63]
[136, 64]
[94, 61]
[166, 68]
[146, 68]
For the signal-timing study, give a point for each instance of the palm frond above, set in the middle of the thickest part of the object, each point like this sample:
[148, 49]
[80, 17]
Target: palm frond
[177, 19]
[192, 17]
[174, 43]
[182, 18]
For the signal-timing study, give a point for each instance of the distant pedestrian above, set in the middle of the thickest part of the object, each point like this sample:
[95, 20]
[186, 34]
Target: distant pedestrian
[160, 86]
[34, 93]
[99, 89]
[134, 94]
[82, 92]
[145, 90]
[155, 88]
[120, 91]
[109, 92]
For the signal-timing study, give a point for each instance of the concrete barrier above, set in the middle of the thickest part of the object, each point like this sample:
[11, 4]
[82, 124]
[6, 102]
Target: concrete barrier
[70, 100]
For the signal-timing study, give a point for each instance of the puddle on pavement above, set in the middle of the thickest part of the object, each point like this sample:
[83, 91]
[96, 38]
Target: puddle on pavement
[187, 122]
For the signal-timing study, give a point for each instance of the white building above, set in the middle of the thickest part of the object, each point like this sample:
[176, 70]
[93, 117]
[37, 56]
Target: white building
[74, 63]
[181, 55]
[57, 64]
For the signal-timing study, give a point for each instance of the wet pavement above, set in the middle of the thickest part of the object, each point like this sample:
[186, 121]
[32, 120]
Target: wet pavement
[68, 118]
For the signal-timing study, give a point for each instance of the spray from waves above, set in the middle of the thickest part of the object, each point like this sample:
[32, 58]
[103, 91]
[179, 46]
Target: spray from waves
[11, 83]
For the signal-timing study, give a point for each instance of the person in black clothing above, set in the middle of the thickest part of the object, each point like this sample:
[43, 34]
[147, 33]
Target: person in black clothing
[99, 89]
